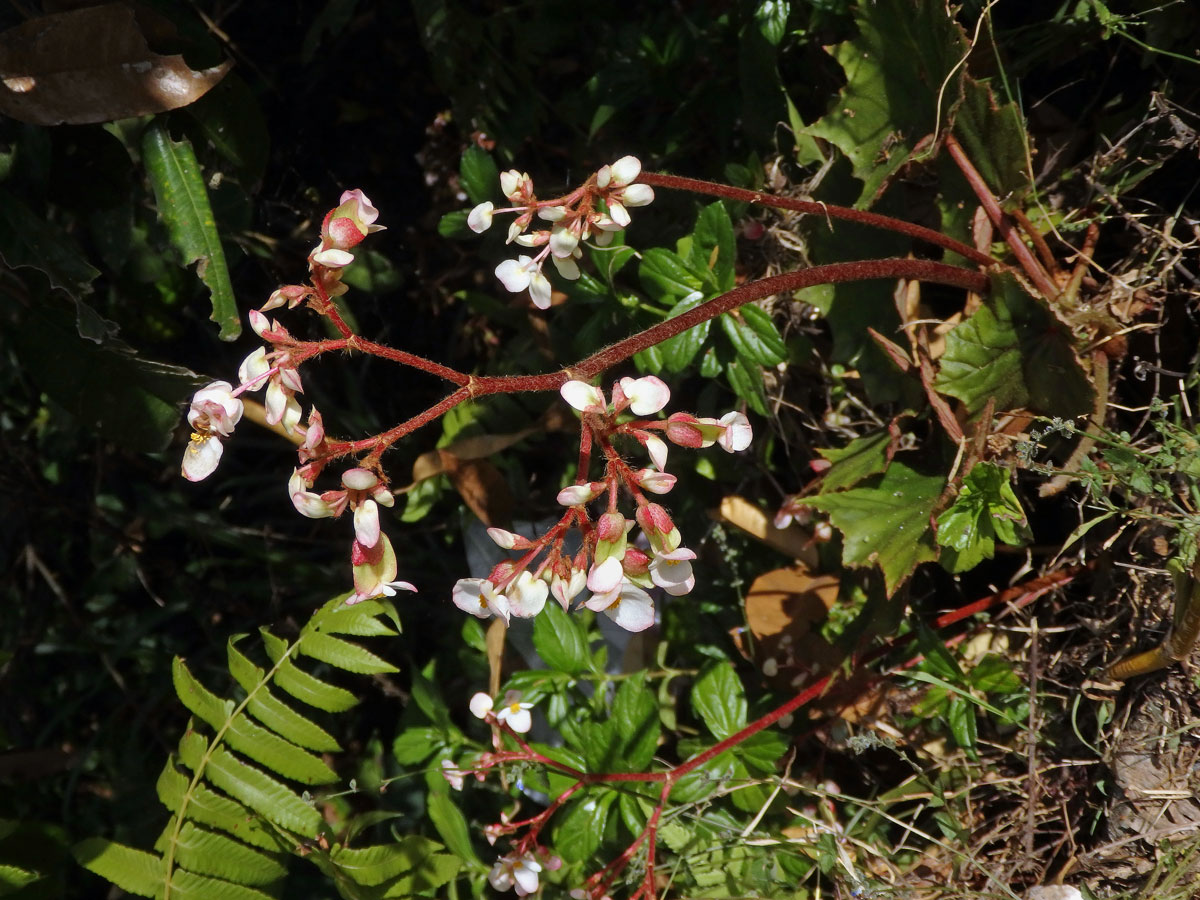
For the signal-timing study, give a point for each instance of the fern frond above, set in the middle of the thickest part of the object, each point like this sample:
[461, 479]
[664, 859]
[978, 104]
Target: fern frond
[235, 816]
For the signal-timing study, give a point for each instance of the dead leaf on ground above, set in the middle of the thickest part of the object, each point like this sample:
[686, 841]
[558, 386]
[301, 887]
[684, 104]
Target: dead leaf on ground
[784, 609]
[92, 65]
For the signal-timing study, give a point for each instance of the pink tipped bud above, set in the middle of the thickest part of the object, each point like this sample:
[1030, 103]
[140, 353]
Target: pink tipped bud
[682, 429]
[508, 540]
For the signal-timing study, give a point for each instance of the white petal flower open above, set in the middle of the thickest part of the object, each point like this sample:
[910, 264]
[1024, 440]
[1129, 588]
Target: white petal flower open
[479, 219]
[479, 597]
[201, 456]
[515, 714]
[253, 369]
[605, 576]
[627, 605]
[216, 403]
[673, 571]
[563, 241]
[646, 395]
[583, 396]
[515, 274]
[308, 503]
[567, 268]
[540, 290]
[527, 595]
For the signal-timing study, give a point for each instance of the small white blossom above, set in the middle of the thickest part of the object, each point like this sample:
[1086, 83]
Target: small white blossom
[673, 571]
[583, 396]
[627, 605]
[737, 434]
[515, 714]
[527, 595]
[479, 597]
[517, 872]
[646, 395]
[479, 219]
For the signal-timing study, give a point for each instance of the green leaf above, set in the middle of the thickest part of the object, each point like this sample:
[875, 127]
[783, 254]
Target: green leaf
[994, 674]
[210, 853]
[760, 752]
[771, 18]
[199, 700]
[210, 808]
[479, 174]
[714, 232]
[719, 699]
[667, 276]
[376, 865]
[895, 67]
[885, 521]
[451, 826]
[301, 685]
[678, 351]
[985, 510]
[579, 831]
[28, 239]
[748, 339]
[745, 377]
[960, 716]
[559, 641]
[453, 225]
[1014, 351]
[184, 208]
[415, 745]
[635, 714]
[275, 753]
[131, 870]
[259, 791]
[189, 886]
[993, 135]
[343, 654]
[860, 459]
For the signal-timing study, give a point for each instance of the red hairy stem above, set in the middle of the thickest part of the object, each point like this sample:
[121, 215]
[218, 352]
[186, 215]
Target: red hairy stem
[1033, 268]
[408, 359]
[481, 386]
[758, 198]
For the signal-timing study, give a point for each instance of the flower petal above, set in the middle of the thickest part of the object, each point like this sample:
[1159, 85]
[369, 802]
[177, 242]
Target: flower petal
[479, 219]
[583, 396]
[201, 456]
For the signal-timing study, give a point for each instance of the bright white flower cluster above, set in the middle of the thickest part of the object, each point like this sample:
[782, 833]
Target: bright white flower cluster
[617, 571]
[594, 211]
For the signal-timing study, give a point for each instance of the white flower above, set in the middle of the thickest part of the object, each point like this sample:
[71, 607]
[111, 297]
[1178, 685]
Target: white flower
[567, 589]
[646, 395]
[583, 396]
[215, 410]
[655, 482]
[673, 571]
[515, 714]
[452, 774]
[201, 456]
[480, 705]
[518, 872]
[737, 434]
[605, 576]
[524, 272]
[578, 494]
[527, 595]
[366, 523]
[479, 597]
[307, 502]
[657, 448]
[627, 605]
[563, 242]
[479, 219]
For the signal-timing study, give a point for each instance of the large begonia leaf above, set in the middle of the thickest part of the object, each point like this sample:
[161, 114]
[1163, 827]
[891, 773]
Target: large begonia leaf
[92, 65]
[895, 68]
[885, 521]
[861, 458]
[1015, 351]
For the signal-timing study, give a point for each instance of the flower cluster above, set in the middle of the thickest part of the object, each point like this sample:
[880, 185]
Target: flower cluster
[618, 571]
[594, 211]
[216, 409]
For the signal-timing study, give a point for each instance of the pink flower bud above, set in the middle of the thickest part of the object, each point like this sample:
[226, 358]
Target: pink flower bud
[682, 430]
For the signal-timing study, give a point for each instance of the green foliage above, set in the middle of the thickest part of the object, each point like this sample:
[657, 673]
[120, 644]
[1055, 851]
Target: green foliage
[235, 819]
[985, 510]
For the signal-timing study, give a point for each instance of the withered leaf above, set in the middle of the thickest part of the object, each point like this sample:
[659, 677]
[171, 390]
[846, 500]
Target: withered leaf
[92, 65]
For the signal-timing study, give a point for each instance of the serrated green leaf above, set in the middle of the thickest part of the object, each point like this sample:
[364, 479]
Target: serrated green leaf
[261, 793]
[760, 752]
[1013, 351]
[211, 853]
[131, 870]
[612, 259]
[885, 521]
[357, 619]
[184, 208]
[343, 654]
[678, 351]
[285, 758]
[985, 510]
[598, 743]
[635, 714]
[301, 685]
[415, 745]
[199, 700]
[451, 826]
[860, 459]
[479, 175]
[667, 276]
[896, 66]
[560, 641]
[210, 808]
[579, 830]
[745, 377]
[994, 674]
[994, 137]
[719, 699]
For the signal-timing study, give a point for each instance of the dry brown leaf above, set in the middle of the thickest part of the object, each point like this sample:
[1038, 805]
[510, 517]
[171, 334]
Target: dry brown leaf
[92, 65]
[792, 541]
[482, 487]
[784, 609]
